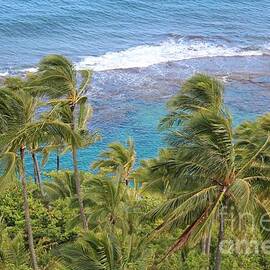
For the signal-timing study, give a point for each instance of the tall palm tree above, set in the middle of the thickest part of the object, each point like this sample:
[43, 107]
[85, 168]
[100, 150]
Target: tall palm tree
[61, 80]
[18, 134]
[118, 155]
[207, 160]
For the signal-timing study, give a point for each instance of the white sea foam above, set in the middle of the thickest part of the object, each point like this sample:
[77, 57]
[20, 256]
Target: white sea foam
[147, 55]
[4, 73]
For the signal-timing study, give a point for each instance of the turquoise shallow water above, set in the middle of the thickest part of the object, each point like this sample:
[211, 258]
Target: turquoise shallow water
[141, 51]
[132, 106]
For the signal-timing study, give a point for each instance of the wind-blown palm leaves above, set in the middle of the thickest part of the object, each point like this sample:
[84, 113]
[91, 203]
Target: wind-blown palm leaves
[59, 79]
[200, 92]
[206, 158]
[118, 155]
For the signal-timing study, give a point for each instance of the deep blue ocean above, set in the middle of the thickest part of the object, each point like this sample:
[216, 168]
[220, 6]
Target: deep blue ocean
[140, 52]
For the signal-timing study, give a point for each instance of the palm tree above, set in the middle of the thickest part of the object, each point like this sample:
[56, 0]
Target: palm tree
[207, 160]
[60, 80]
[30, 104]
[110, 200]
[13, 112]
[118, 155]
[18, 134]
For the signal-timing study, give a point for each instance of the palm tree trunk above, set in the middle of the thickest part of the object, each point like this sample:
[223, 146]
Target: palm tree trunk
[220, 239]
[28, 225]
[35, 173]
[126, 178]
[126, 182]
[57, 160]
[78, 187]
[77, 176]
[207, 248]
[38, 174]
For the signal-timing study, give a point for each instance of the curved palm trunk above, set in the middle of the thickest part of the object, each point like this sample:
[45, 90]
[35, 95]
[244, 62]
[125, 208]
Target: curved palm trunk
[38, 174]
[28, 225]
[220, 239]
[77, 176]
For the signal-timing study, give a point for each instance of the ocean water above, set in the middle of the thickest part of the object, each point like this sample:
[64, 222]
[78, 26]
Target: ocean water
[140, 52]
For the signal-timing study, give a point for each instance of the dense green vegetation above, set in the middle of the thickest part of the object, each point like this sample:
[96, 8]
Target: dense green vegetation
[188, 208]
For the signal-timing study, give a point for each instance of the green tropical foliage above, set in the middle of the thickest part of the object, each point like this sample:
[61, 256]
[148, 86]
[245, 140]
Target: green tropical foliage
[207, 188]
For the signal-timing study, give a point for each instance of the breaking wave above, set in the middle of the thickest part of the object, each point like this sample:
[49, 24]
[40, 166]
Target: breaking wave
[168, 51]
